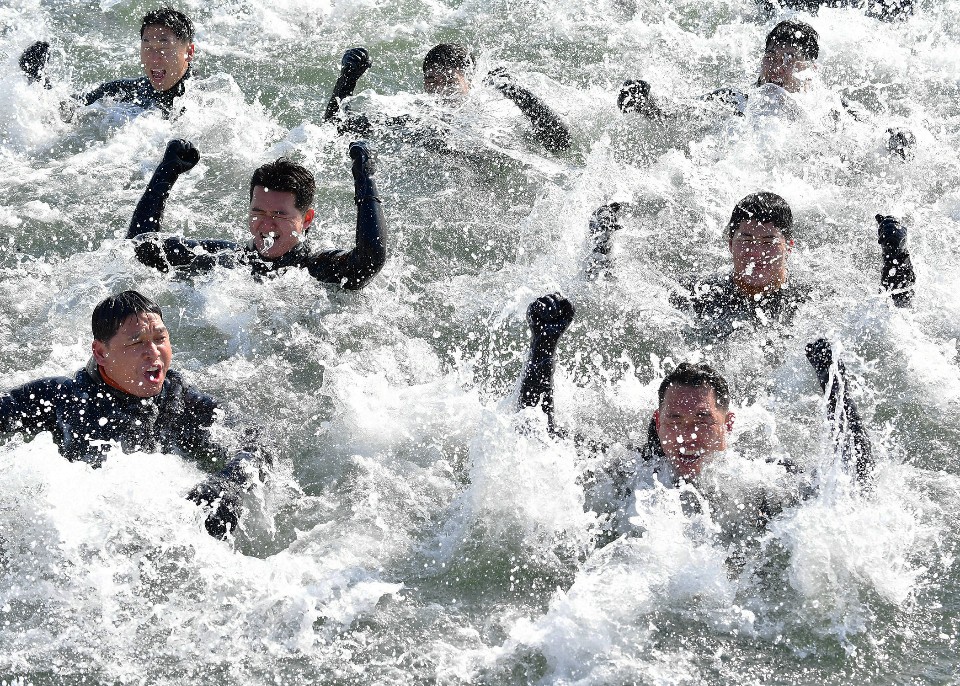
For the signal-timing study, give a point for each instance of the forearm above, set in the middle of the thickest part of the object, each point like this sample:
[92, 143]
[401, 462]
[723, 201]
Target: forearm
[148, 215]
[536, 382]
[342, 89]
[370, 252]
[550, 129]
[897, 276]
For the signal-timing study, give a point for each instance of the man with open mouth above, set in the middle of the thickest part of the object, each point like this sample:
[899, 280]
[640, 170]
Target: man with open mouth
[166, 51]
[128, 395]
[280, 215]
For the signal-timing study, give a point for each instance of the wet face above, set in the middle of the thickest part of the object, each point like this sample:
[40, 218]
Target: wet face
[138, 356]
[691, 427]
[448, 82]
[277, 226]
[782, 65]
[164, 57]
[759, 253]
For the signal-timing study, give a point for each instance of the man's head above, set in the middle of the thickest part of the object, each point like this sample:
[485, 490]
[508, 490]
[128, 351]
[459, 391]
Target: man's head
[131, 344]
[760, 237]
[792, 46]
[281, 195]
[445, 70]
[166, 47]
[693, 418]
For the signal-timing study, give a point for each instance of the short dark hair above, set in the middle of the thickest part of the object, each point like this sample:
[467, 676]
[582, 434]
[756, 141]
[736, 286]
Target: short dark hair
[762, 208]
[110, 314]
[448, 57]
[286, 176]
[795, 34]
[696, 375]
[174, 20]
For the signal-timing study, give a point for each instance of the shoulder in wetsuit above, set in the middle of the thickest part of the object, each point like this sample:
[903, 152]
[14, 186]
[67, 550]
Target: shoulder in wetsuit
[84, 414]
[351, 269]
[445, 68]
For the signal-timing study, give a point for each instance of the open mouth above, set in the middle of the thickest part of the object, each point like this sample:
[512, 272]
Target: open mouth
[158, 75]
[154, 373]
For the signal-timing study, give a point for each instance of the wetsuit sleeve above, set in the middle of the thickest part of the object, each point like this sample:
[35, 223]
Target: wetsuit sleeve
[121, 89]
[31, 408]
[549, 128]
[896, 276]
[548, 317]
[353, 269]
[353, 64]
[180, 156]
[222, 491]
[850, 435]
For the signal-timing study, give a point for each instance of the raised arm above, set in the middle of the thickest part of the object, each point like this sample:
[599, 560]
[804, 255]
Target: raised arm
[353, 269]
[179, 157]
[548, 317]
[851, 436]
[896, 275]
[549, 128]
[353, 64]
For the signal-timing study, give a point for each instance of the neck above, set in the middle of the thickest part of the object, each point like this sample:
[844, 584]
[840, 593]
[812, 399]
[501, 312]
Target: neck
[107, 380]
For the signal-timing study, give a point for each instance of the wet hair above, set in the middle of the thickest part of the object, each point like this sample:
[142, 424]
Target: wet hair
[110, 314]
[795, 34]
[696, 375]
[762, 208]
[447, 57]
[286, 176]
[176, 21]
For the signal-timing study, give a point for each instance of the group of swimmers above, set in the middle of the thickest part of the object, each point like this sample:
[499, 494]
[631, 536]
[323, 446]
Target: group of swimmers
[128, 394]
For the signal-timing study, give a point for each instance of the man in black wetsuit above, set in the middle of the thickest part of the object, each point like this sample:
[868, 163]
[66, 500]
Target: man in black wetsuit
[792, 48]
[758, 292]
[281, 194]
[445, 74]
[166, 50]
[128, 395]
[693, 420]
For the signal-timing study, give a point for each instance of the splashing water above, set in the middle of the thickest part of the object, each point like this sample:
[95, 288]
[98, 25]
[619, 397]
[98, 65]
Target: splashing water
[413, 533]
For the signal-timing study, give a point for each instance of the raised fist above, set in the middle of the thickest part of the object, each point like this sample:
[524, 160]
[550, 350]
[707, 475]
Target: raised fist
[635, 97]
[355, 62]
[891, 234]
[34, 60]
[180, 156]
[550, 316]
[364, 159]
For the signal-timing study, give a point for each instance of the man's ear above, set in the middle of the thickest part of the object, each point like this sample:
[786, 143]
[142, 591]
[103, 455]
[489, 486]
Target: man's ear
[656, 420]
[190, 49]
[730, 417]
[100, 352]
[308, 220]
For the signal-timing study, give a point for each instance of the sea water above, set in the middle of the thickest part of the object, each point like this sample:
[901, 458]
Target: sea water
[418, 530]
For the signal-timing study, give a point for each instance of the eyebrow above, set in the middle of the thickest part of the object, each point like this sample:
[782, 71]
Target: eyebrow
[139, 334]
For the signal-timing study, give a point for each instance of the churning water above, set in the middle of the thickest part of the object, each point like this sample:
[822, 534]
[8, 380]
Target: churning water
[412, 534]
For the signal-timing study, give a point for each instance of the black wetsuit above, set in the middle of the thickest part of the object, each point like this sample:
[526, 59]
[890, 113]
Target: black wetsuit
[723, 308]
[84, 415]
[351, 269]
[139, 92]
